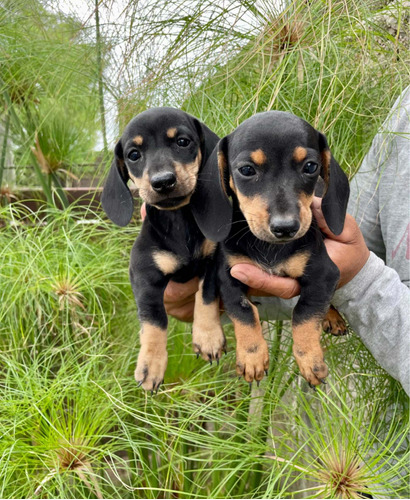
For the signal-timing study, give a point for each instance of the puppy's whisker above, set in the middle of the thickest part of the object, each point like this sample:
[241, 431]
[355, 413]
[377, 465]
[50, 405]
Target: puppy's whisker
[238, 232]
[248, 231]
[230, 224]
[235, 222]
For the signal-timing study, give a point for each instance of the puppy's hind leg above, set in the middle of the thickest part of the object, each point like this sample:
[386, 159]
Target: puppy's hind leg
[334, 323]
[208, 337]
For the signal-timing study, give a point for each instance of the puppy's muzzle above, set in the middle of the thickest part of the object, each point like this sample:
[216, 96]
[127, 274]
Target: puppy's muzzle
[163, 182]
[284, 229]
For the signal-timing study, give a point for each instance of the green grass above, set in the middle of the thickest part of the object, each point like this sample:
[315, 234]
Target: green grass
[73, 424]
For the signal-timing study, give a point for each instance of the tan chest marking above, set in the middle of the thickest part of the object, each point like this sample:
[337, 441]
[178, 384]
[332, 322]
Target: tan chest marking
[294, 266]
[240, 259]
[166, 262]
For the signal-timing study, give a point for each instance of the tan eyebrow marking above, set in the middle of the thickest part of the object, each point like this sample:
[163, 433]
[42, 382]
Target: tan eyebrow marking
[299, 154]
[258, 157]
[138, 140]
[172, 132]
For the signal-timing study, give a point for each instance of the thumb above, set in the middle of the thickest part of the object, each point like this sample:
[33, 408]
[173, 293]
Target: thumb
[262, 284]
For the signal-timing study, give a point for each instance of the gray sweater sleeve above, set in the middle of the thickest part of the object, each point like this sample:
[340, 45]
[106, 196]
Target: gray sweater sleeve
[377, 301]
[377, 304]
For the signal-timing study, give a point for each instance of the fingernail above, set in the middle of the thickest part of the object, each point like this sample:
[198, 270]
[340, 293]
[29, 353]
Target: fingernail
[239, 276]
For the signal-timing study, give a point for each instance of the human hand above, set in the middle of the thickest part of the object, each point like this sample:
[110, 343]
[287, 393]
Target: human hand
[348, 251]
[179, 298]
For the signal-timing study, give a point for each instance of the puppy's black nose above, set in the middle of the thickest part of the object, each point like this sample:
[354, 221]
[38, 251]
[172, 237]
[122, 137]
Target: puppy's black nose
[163, 181]
[284, 228]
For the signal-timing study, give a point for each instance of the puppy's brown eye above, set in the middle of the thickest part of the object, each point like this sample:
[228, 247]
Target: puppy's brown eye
[247, 171]
[183, 142]
[310, 167]
[134, 155]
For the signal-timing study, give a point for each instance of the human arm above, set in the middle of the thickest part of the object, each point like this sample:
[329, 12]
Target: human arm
[179, 299]
[377, 304]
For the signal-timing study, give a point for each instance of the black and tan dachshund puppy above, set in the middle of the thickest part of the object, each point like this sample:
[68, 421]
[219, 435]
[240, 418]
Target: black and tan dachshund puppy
[269, 167]
[162, 150]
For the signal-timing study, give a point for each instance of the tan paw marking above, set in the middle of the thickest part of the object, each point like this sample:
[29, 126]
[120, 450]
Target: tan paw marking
[252, 353]
[152, 358]
[311, 365]
[208, 338]
[334, 323]
[308, 352]
[209, 343]
[252, 360]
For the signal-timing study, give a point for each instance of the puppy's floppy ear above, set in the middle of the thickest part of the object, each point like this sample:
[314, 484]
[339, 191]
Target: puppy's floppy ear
[116, 198]
[210, 202]
[336, 191]
[207, 138]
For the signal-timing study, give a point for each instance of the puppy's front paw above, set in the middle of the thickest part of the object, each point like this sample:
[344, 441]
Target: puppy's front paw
[334, 323]
[311, 364]
[209, 342]
[252, 360]
[151, 365]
